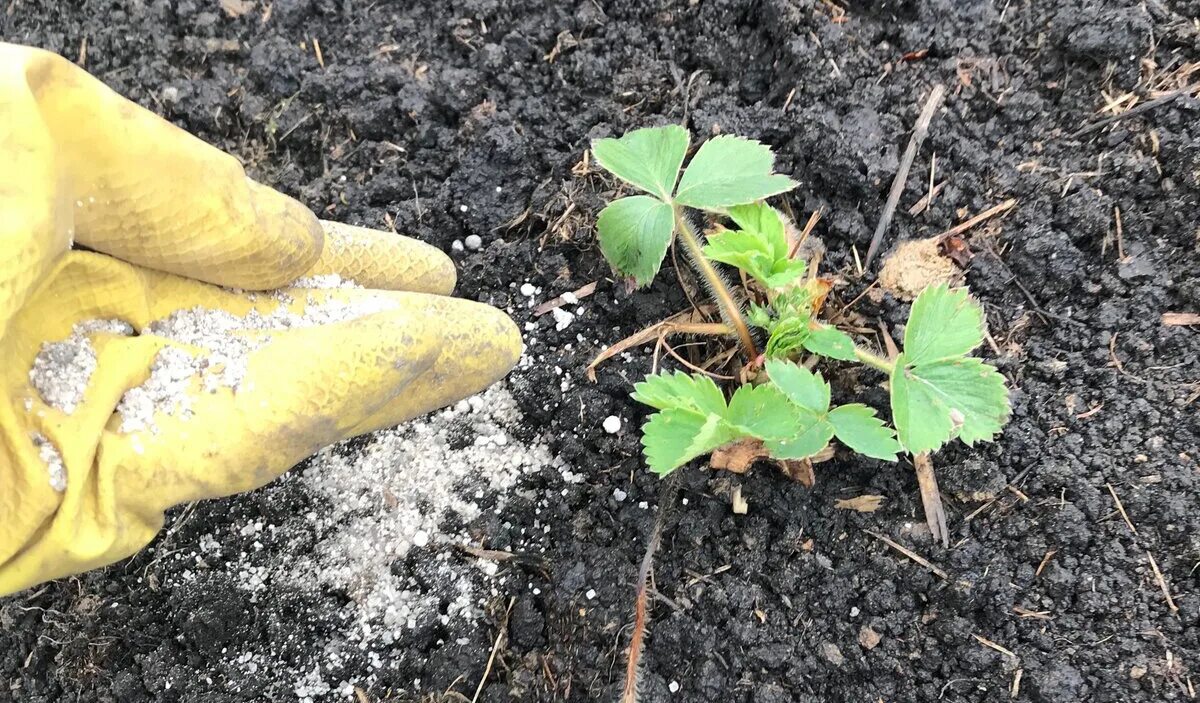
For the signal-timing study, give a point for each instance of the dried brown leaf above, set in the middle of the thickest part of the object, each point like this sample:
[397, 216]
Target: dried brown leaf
[862, 504]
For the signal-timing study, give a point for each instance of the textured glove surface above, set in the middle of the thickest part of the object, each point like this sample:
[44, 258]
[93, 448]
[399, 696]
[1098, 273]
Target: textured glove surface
[148, 372]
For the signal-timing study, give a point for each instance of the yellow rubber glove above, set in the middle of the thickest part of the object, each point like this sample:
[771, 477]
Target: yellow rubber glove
[131, 380]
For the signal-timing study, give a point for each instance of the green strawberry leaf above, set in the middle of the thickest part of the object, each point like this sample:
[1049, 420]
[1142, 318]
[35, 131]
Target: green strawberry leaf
[829, 341]
[680, 390]
[944, 323]
[787, 337]
[728, 171]
[635, 233]
[811, 435]
[742, 249]
[936, 401]
[759, 248]
[763, 221]
[675, 436]
[763, 412]
[647, 158]
[801, 386]
[856, 426]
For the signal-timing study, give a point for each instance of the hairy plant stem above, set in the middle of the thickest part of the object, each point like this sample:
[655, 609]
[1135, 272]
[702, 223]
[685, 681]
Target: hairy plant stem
[725, 300]
[874, 360]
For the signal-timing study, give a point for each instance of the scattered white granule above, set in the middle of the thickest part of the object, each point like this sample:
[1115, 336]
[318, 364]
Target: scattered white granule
[403, 491]
[164, 391]
[53, 460]
[473, 242]
[528, 290]
[228, 351]
[612, 424]
[62, 370]
[562, 319]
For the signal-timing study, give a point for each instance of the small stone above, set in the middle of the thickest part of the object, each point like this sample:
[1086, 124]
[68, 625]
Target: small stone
[854, 611]
[591, 594]
[473, 242]
[620, 495]
[832, 654]
[868, 638]
[528, 290]
[456, 245]
[612, 424]
[1136, 672]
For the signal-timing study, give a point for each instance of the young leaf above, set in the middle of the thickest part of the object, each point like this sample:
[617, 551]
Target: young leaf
[936, 401]
[801, 386]
[764, 221]
[675, 436]
[856, 426]
[647, 158]
[635, 233]
[730, 170]
[829, 341]
[748, 252]
[944, 323]
[762, 412]
[680, 390]
[787, 337]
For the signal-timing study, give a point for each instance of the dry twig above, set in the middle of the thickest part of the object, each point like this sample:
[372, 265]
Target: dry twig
[932, 103]
[938, 571]
[931, 499]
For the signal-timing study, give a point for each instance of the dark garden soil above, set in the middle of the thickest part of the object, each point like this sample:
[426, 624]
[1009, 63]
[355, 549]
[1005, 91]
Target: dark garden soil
[457, 118]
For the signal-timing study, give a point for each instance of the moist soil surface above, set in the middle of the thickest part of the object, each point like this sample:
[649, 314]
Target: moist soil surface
[445, 120]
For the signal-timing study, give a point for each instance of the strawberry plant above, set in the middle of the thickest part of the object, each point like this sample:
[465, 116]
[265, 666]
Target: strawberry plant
[938, 392]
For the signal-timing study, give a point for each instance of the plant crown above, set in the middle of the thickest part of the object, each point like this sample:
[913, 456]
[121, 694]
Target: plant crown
[938, 392]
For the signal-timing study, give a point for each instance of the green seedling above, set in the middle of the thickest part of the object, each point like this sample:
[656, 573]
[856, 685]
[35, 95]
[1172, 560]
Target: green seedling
[938, 392]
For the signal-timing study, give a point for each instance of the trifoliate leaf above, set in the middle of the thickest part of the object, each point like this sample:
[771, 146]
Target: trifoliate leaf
[764, 221]
[857, 427]
[728, 171]
[801, 386]
[936, 401]
[647, 158]
[944, 323]
[635, 233]
[829, 341]
[674, 437]
[762, 412]
[680, 390]
[745, 250]
[812, 433]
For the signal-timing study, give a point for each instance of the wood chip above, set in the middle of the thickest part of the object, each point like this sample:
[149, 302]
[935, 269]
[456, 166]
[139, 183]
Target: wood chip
[862, 504]
[740, 506]
[1162, 583]
[236, 8]
[988, 643]
[1176, 319]
[868, 638]
[579, 294]
[911, 555]
[1121, 508]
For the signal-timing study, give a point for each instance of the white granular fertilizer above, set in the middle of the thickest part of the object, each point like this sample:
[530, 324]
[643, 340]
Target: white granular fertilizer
[380, 534]
[61, 370]
[220, 334]
[53, 460]
[395, 494]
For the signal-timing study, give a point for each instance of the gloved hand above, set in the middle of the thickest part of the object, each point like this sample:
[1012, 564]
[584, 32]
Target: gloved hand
[140, 374]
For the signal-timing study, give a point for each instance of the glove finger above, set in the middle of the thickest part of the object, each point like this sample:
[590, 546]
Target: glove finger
[147, 192]
[384, 260]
